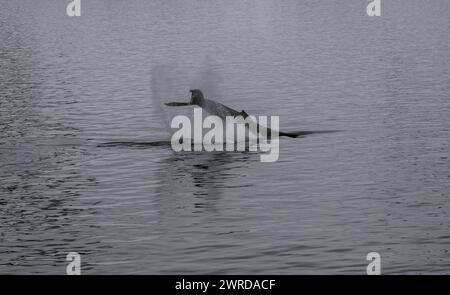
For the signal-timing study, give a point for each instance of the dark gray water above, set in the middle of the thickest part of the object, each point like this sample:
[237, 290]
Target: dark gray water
[68, 85]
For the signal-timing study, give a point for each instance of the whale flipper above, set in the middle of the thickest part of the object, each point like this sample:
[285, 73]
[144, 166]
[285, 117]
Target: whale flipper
[295, 134]
[176, 104]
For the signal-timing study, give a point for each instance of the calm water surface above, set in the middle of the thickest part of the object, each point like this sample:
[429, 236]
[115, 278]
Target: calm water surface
[67, 85]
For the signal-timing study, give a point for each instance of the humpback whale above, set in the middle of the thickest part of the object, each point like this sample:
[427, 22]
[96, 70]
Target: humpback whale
[213, 108]
[222, 111]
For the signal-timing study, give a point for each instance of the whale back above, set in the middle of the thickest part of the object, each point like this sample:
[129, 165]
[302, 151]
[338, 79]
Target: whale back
[218, 109]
